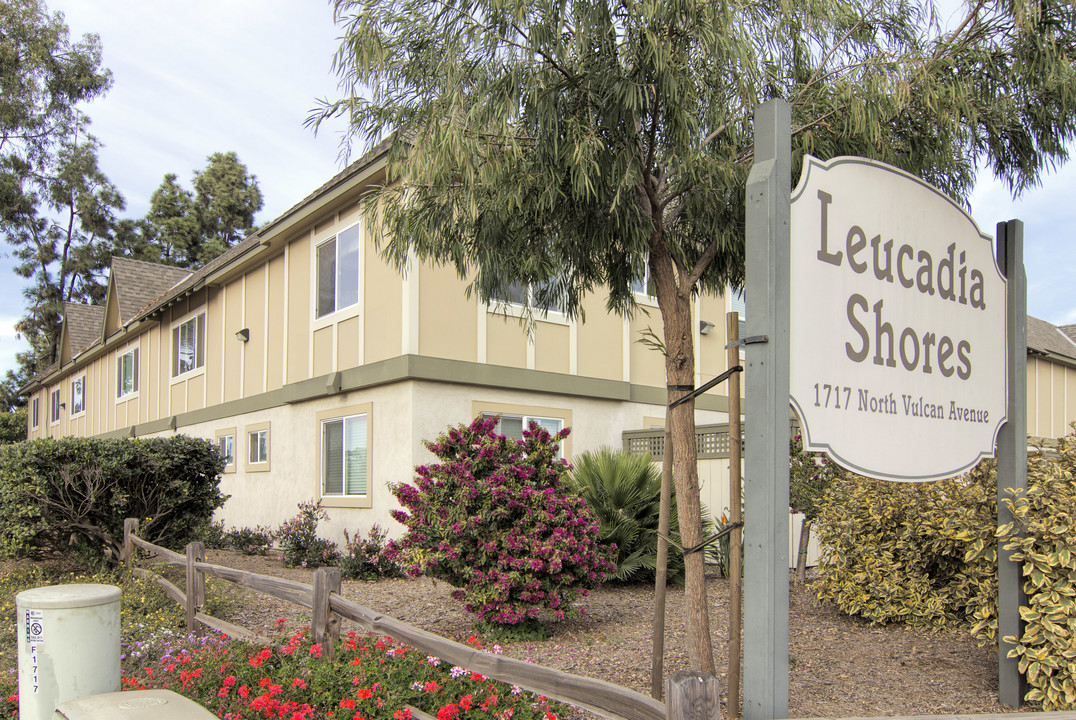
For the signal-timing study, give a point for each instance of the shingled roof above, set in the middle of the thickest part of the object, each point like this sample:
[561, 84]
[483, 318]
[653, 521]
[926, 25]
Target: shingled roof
[1069, 330]
[1049, 339]
[138, 283]
[82, 323]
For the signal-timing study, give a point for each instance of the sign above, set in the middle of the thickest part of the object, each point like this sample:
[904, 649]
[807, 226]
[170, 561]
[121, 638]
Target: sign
[897, 323]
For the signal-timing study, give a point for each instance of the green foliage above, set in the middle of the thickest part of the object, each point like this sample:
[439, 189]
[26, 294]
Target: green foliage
[300, 542]
[495, 520]
[918, 553]
[366, 558]
[190, 229]
[719, 553]
[13, 426]
[1043, 538]
[809, 474]
[624, 493]
[249, 541]
[72, 495]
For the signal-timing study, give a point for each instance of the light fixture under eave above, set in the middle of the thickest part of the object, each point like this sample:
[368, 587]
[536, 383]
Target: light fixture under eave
[705, 327]
[243, 335]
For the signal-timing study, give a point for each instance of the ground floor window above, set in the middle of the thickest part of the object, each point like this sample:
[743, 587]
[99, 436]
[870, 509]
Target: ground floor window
[344, 456]
[258, 447]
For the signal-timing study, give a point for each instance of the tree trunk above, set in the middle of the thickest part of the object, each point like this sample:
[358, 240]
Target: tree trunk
[675, 306]
[801, 556]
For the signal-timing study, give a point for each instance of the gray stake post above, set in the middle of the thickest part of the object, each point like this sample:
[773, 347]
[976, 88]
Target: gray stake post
[1012, 455]
[765, 681]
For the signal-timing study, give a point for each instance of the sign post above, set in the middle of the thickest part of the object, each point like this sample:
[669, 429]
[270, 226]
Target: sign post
[904, 355]
[765, 651]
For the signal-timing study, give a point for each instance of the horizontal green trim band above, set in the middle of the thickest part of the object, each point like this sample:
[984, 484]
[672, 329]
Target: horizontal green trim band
[419, 367]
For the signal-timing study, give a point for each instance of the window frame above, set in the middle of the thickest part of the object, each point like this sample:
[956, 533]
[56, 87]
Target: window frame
[353, 255]
[131, 352]
[250, 431]
[342, 414]
[35, 411]
[564, 415]
[198, 317]
[218, 436]
[54, 407]
[80, 410]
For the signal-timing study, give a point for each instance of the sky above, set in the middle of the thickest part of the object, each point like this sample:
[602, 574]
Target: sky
[195, 77]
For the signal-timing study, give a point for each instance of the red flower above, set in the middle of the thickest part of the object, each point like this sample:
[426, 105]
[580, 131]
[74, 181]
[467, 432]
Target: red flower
[355, 661]
[466, 701]
[347, 704]
[315, 650]
[365, 693]
[448, 712]
[261, 657]
[299, 683]
[243, 692]
[431, 686]
[477, 677]
[404, 714]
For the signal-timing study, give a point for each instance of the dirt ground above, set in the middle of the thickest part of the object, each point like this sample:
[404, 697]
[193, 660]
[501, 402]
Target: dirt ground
[839, 667]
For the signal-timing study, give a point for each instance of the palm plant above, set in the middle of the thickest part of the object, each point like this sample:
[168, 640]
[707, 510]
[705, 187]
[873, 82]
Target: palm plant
[624, 492]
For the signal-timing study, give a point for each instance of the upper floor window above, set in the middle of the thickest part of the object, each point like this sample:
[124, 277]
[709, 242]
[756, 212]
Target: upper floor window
[644, 285]
[78, 395]
[35, 416]
[519, 293]
[54, 416]
[738, 305]
[188, 345]
[337, 266]
[127, 373]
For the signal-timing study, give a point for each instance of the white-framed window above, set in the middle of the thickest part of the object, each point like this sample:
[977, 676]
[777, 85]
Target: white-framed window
[738, 305]
[514, 425]
[337, 272]
[54, 415]
[520, 294]
[225, 440]
[258, 447]
[188, 345]
[127, 373]
[644, 286]
[78, 395]
[344, 456]
[35, 412]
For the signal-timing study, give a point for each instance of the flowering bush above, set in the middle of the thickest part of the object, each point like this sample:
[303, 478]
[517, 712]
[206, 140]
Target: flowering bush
[494, 520]
[365, 558]
[300, 542]
[373, 678]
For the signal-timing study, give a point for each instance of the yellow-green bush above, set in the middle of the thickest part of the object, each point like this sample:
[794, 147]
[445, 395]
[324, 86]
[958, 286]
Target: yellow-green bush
[899, 552]
[926, 555]
[1043, 536]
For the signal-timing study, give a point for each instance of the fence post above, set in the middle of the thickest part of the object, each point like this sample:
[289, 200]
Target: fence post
[195, 585]
[130, 527]
[692, 695]
[325, 624]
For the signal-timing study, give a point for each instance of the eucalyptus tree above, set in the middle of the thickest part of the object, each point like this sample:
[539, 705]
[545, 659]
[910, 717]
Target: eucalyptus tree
[578, 146]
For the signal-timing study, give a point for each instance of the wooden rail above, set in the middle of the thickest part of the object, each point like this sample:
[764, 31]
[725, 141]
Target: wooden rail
[328, 607]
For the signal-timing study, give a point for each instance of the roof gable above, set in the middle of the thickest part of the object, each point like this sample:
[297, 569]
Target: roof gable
[81, 326]
[134, 284]
[1049, 339]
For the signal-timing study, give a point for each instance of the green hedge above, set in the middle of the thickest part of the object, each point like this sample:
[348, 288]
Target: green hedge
[925, 554]
[72, 495]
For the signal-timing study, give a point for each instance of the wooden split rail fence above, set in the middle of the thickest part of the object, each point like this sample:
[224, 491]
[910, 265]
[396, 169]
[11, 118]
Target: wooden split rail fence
[691, 695]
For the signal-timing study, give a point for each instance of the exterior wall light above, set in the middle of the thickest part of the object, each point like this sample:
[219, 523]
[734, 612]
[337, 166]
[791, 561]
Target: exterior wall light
[243, 335]
[705, 327]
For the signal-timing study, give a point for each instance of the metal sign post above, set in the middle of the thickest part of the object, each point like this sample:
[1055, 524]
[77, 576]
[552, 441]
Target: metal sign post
[765, 682]
[1012, 455]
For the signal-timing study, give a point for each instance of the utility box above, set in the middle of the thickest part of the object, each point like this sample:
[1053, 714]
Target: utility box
[68, 645]
[133, 705]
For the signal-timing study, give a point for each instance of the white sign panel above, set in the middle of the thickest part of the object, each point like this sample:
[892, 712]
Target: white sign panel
[898, 323]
